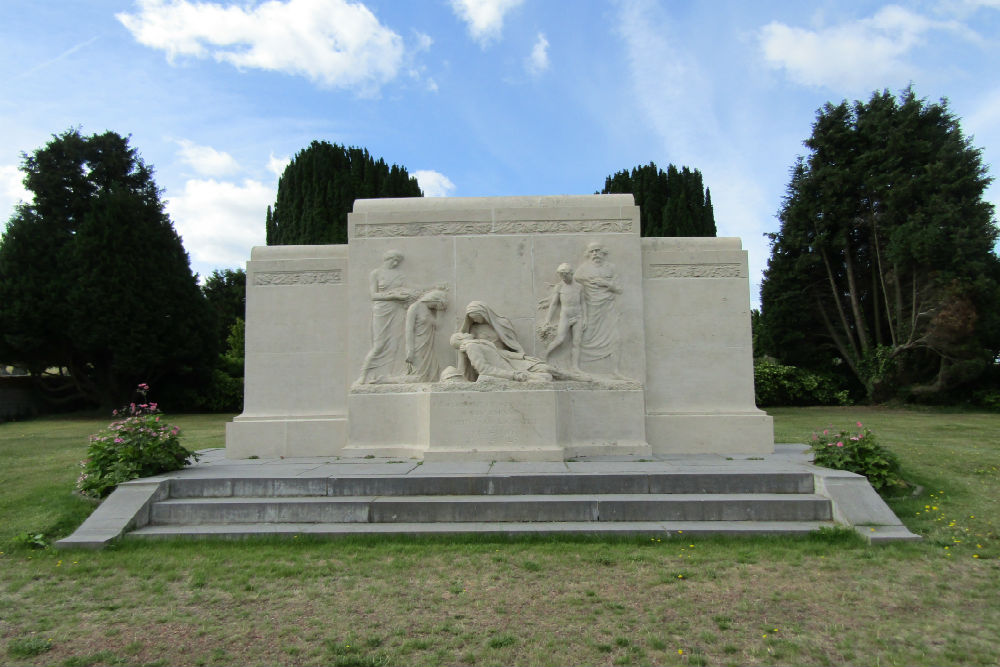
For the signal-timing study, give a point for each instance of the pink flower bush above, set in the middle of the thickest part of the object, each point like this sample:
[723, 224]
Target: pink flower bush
[136, 445]
[860, 453]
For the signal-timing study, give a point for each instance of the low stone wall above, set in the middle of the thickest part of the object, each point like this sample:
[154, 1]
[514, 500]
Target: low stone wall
[18, 398]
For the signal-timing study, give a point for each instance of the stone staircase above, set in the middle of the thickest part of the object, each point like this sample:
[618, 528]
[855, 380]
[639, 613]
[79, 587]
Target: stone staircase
[626, 503]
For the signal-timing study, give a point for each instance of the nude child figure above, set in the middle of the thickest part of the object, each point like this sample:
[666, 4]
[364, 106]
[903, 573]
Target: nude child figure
[567, 299]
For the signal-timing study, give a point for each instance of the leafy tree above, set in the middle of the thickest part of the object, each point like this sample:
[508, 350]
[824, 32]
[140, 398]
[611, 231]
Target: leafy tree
[318, 188]
[226, 293]
[884, 261]
[94, 279]
[672, 203]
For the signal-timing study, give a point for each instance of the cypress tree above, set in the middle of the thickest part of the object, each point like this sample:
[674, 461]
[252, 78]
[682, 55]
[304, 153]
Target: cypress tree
[672, 203]
[318, 188]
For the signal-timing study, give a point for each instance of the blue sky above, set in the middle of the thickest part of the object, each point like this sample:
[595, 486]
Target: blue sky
[475, 97]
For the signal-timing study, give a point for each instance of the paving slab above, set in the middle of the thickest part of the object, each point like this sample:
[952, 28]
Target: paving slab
[602, 467]
[452, 468]
[359, 469]
[527, 468]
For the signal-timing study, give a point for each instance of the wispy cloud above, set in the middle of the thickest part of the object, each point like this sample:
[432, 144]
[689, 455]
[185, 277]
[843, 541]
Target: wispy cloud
[484, 18]
[854, 56]
[538, 61]
[434, 183]
[679, 105]
[334, 43]
[51, 61]
[669, 86]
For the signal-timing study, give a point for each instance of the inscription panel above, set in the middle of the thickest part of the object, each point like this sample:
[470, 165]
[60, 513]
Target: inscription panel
[728, 270]
[326, 277]
[489, 423]
[407, 229]
[492, 419]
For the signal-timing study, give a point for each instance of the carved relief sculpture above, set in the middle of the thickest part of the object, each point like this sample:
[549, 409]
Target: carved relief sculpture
[601, 285]
[566, 299]
[481, 359]
[488, 348]
[485, 323]
[390, 296]
[421, 326]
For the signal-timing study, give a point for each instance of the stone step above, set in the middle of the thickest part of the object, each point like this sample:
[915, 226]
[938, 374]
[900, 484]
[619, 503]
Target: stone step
[479, 508]
[652, 529]
[494, 484]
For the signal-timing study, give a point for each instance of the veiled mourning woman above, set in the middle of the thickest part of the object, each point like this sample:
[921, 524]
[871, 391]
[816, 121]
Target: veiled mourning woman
[484, 323]
[389, 295]
[421, 325]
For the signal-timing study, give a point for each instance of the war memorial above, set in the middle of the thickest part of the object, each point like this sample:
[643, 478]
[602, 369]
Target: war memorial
[601, 342]
[502, 365]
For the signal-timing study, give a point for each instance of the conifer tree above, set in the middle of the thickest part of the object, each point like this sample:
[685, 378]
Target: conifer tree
[884, 263]
[93, 277]
[318, 188]
[672, 203]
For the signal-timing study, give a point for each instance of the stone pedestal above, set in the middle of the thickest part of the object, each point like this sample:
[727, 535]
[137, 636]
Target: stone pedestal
[496, 421]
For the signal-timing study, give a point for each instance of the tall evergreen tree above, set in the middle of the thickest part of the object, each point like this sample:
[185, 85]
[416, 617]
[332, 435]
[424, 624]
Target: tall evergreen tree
[318, 188]
[672, 203]
[93, 277]
[884, 261]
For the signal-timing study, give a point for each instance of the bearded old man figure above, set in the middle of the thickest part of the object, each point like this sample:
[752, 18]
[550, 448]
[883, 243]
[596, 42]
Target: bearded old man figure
[601, 285]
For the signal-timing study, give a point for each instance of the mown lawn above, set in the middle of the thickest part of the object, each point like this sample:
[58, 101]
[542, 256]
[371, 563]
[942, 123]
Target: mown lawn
[824, 600]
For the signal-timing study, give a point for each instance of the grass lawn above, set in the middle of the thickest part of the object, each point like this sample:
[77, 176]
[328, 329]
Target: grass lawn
[827, 599]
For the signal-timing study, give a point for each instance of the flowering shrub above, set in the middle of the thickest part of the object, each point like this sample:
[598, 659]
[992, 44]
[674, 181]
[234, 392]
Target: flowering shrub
[137, 445]
[858, 452]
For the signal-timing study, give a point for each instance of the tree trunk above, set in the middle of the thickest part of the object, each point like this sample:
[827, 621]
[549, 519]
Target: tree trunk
[846, 353]
[859, 319]
[881, 279]
[840, 309]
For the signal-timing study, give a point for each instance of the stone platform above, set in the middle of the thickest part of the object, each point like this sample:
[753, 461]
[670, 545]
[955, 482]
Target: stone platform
[660, 495]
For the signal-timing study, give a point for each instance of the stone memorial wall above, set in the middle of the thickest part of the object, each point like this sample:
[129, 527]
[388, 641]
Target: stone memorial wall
[503, 328]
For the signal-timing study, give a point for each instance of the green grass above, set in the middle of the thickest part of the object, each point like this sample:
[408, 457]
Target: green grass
[823, 599]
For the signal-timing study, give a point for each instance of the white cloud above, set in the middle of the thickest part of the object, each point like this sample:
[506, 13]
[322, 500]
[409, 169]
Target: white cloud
[220, 221]
[11, 191]
[856, 56]
[276, 165]
[207, 161]
[538, 61]
[434, 183]
[332, 42]
[484, 17]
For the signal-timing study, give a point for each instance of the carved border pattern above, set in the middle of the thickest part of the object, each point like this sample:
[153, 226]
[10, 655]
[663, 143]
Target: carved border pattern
[329, 277]
[694, 271]
[400, 229]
